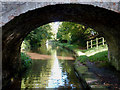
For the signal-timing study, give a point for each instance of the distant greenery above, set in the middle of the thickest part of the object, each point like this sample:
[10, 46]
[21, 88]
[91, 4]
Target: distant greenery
[100, 53]
[71, 46]
[25, 45]
[68, 32]
[73, 33]
[26, 61]
[37, 36]
[70, 35]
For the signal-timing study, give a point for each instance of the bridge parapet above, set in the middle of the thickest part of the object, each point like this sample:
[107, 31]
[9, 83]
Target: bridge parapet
[12, 8]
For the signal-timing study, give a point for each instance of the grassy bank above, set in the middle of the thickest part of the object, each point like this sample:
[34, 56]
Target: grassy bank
[82, 55]
[96, 55]
[101, 56]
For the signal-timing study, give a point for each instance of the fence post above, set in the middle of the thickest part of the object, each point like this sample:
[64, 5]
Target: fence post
[103, 40]
[91, 43]
[87, 45]
[96, 42]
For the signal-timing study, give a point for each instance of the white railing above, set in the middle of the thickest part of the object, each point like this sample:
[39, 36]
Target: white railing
[96, 42]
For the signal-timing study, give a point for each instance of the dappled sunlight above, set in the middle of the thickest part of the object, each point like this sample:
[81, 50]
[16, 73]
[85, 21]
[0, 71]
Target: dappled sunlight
[44, 57]
[93, 53]
[80, 53]
[65, 58]
[54, 26]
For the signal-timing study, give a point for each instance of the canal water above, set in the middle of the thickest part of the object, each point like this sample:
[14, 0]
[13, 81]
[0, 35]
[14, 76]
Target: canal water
[51, 68]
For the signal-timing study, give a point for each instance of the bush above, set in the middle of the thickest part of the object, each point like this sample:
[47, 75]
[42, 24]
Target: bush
[82, 58]
[25, 45]
[25, 60]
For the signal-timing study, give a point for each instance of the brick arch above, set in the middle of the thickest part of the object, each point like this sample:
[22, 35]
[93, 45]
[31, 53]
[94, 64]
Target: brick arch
[102, 20]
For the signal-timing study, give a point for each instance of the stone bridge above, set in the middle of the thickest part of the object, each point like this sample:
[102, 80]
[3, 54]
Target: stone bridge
[19, 18]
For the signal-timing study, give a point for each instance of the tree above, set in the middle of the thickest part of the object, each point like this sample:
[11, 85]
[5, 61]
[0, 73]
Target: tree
[74, 33]
[39, 35]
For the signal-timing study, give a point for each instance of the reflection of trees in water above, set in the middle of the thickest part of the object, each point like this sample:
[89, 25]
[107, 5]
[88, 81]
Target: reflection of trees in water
[63, 52]
[38, 75]
[41, 71]
[43, 49]
[68, 67]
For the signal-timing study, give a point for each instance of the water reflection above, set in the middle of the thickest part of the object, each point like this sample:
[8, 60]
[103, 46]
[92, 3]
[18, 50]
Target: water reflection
[51, 73]
[56, 72]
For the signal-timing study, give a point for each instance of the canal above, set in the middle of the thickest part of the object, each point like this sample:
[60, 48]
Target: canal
[51, 68]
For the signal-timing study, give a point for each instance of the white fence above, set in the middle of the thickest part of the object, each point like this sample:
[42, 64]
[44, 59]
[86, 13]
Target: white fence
[96, 42]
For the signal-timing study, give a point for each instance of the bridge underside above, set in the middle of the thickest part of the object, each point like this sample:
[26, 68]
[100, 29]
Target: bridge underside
[105, 22]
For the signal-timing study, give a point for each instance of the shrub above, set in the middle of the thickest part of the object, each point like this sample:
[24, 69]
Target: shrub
[82, 58]
[25, 60]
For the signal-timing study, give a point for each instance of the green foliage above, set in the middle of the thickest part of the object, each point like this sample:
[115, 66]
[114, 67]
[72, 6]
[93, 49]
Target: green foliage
[25, 45]
[101, 56]
[71, 46]
[73, 33]
[39, 35]
[25, 60]
[82, 58]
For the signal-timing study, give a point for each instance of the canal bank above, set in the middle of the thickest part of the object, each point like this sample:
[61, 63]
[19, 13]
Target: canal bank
[80, 69]
[93, 74]
[86, 77]
[51, 68]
